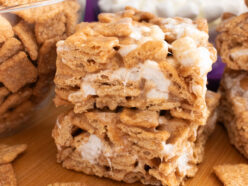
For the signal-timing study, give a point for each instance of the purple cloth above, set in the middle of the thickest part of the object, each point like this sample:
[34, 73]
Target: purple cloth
[215, 75]
[91, 10]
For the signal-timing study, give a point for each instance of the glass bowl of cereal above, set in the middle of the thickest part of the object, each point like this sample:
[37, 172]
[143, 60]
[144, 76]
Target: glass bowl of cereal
[29, 31]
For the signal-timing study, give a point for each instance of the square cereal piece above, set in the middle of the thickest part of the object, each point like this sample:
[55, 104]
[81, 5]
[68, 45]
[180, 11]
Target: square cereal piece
[7, 175]
[11, 47]
[50, 25]
[232, 175]
[233, 108]
[128, 147]
[130, 62]
[15, 99]
[6, 30]
[17, 71]
[25, 33]
[10, 153]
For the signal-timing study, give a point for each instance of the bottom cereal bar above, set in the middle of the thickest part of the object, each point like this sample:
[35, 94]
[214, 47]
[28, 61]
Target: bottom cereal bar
[131, 145]
[233, 109]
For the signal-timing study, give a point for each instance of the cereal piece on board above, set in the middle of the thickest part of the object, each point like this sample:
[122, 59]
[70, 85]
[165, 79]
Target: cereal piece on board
[15, 99]
[10, 153]
[17, 72]
[232, 175]
[7, 175]
[3, 93]
[11, 47]
[6, 30]
[24, 31]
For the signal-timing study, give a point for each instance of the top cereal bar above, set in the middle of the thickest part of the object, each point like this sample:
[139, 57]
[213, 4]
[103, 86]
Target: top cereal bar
[134, 59]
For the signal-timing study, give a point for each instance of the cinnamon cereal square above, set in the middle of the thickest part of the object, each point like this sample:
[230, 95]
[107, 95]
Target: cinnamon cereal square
[17, 71]
[50, 26]
[25, 32]
[11, 47]
[10, 153]
[6, 30]
[15, 99]
[232, 175]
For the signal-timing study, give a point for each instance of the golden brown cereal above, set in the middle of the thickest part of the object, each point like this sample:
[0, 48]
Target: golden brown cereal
[6, 30]
[11, 47]
[232, 41]
[50, 26]
[7, 175]
[24, 31]
[126, 60]
[3, 93]
[232, 175]
[233, 111]
[47, 58]
[17, 71]
[15, 99]
[126, 146]
[14, 117]
[10, 153]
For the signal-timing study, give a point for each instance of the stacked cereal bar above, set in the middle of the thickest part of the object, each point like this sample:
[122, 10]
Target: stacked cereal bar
[137, 84]
[132, 145]
[28, 56]
[232, 43]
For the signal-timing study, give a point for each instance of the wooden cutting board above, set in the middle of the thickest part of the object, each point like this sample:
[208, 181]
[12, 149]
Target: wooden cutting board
[38, 167]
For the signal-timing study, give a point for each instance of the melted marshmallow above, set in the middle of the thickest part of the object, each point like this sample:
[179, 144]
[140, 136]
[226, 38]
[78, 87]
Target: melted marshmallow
[149, 71]
[152, 72]
[239, 53]
[183, 160]
[143, 34]
[168, 150]
[187, 54]
[91, 149]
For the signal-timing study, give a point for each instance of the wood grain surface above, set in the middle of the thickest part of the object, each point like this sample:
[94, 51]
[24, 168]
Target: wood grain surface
[38, 167]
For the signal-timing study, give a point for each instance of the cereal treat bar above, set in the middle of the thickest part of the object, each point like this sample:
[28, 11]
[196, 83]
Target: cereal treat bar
[232, 41]
[233, 108]
[28, 56]
[133, 145]
[135, 59]
[232, 175]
